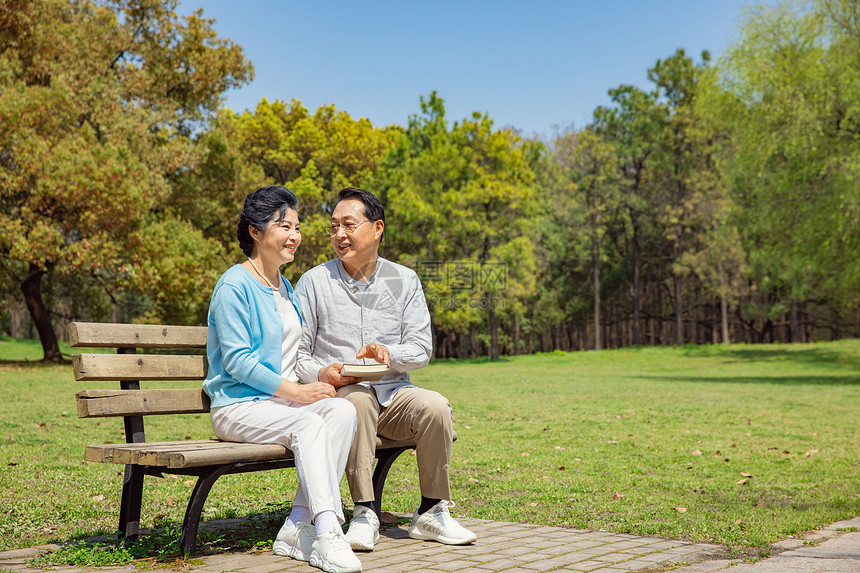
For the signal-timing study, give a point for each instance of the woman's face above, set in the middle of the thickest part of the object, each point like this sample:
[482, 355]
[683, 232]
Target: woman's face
[279, 242]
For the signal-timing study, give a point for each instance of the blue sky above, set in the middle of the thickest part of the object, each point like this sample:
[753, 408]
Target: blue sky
[539, 66]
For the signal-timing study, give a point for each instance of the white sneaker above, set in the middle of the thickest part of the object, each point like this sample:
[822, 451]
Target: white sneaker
[295, 541]
[436, 524]
[331, 553]
[363, 530]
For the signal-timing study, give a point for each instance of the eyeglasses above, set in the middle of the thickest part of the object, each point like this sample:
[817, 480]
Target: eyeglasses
[348, 227]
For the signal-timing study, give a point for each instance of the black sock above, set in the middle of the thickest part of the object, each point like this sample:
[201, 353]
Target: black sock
[366, 504]
[426, 504]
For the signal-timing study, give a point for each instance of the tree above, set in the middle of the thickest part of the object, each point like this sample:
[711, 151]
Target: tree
[461, 210]
[591, 164]
[634, 126]
[314, 154]
[794, 78]
[97, 101]
[677, 79]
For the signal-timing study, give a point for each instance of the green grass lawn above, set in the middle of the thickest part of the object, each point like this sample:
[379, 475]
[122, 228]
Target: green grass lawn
[739, 445]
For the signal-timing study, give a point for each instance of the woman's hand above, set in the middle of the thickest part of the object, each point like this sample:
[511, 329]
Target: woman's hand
[309, 393]
[305, 393]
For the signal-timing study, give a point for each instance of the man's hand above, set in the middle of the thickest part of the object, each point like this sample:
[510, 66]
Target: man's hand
[331, 375]
[376, 351]
[310, 393]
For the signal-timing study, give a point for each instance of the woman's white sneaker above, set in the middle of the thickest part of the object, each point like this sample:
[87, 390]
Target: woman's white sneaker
[295, 541]
[436, 524]
[332, 553]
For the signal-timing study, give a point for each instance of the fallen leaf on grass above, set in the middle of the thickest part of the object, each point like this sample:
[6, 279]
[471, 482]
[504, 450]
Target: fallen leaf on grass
[681, 509]
[696, 453]
[746, 475]
[473, 480]
[737, 522]
[98, 497]
[533, 504]
[188, 483]
[742, 481]
[617, 495]
[525, 454]
[561, 468]
[810, 453]
[170, 501]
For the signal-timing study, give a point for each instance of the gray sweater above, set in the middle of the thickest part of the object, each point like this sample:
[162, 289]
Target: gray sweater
[340, 315]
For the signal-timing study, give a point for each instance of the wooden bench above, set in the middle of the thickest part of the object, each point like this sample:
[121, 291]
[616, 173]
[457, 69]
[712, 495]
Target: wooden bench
[206, 459]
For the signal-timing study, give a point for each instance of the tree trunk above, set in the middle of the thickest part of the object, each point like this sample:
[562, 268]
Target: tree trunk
[16, 319]
[516, 334]
[637, 289]
[595, 259]
[679, 325]
[31, 287]
[494, 333]
[795, 331]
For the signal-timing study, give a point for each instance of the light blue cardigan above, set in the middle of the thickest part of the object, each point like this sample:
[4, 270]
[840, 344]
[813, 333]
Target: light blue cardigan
[244, 340]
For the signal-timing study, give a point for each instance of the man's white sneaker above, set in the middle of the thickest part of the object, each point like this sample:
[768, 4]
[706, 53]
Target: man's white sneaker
[295, 541]
[436, 524]
[332, 553]
[363, 530]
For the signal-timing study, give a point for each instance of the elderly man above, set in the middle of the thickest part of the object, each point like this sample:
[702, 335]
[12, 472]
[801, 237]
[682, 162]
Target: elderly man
[360, 306]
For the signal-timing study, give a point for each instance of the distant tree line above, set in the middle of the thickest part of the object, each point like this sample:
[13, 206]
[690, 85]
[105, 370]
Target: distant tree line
[720, 205]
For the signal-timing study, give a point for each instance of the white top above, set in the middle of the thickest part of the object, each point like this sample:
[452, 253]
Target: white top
[292, 332]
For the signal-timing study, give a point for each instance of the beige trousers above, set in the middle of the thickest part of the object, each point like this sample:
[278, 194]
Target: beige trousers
[416, 413]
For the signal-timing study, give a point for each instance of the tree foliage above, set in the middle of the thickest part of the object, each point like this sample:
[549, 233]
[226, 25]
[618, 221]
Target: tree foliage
[97, 102]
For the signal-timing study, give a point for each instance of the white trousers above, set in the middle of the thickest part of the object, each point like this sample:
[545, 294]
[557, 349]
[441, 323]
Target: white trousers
[319, 435]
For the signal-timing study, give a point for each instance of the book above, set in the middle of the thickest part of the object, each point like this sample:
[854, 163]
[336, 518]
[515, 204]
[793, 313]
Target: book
[367, 372]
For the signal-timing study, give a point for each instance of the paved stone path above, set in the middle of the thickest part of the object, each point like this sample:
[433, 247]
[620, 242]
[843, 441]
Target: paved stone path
[501, 546]
[523, 548]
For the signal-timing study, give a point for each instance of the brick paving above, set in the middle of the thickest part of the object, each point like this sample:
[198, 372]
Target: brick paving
[501, 546]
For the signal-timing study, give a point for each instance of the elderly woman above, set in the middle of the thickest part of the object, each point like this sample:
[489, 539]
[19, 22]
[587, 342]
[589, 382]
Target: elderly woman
[254, 331]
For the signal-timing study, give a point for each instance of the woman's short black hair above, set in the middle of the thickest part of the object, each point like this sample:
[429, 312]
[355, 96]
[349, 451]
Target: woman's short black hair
[258, 210]
[373, 209]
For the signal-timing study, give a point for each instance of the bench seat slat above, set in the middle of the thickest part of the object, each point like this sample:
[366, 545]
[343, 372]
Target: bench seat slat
[196, 453]
[95, 334]
[106, 403]
[101, 367]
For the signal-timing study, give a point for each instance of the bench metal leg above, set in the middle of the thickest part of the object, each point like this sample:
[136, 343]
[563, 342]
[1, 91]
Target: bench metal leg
[129, 511]
[385, 457]
[188, 541]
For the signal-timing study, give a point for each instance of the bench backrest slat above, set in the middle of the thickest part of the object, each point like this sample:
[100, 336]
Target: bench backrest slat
[138, 367]
[106, 335]
[107, 403]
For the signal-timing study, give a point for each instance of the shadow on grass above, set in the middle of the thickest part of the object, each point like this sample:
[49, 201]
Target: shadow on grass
[775, 380]
[778, 353]
[67, 361]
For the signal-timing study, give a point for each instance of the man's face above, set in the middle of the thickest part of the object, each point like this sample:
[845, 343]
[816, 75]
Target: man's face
[359, 246]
